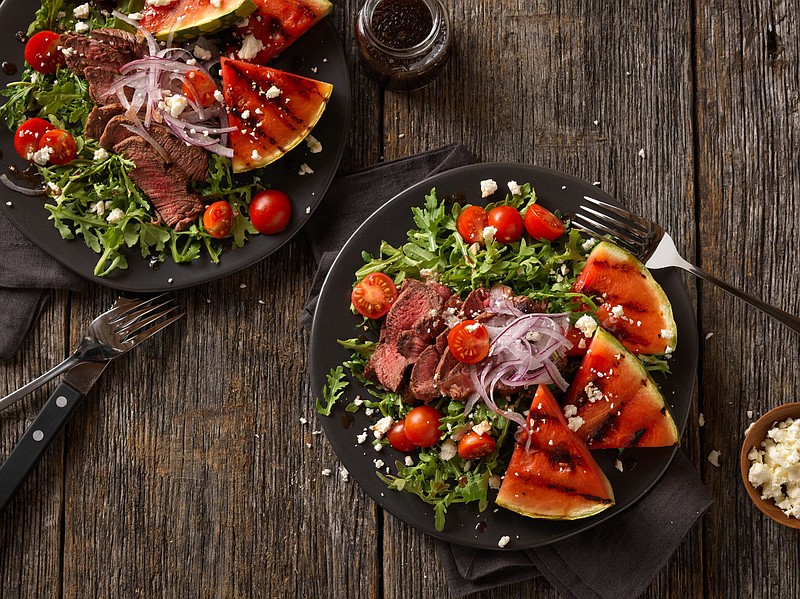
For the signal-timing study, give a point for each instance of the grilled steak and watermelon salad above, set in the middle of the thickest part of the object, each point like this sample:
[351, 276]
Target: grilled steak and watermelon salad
[139, 125]
[492, 363]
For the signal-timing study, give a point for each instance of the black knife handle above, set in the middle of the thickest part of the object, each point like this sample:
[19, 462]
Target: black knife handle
[50, 420]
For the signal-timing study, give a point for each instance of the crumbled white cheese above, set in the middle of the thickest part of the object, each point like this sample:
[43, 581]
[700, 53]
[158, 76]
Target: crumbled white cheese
[776, 467]
[488, 233]
[54, 189]
[575, 423]
[378, 462]
[250, 47]
[377, 446]
[488, 187]
[201, 53]
[255, 155]
[361, 438]
[326, 472]
[305, 170]
[533, 336]
[593, 394]
[713, 458]
[641, 153]
[175, 104]
[749, 413]
[42, 155]
[618, 311]
[494, 481]
[218, 96]
[381, 427]
[100, 154]
[273, 92]
[504, 540]
[586, 325]
[160, 2]
[116, 215]
[98, 208]
[709, 336]
[135, 16]
[618, 465]
[343, 473]
[313, 144]
[448, 451]
[701, 420]
[408, 461]
[303, 420]
[81, 12]
[570, 410]
[482, 427]
[216, 3]
[667, 334]
[514, 188]
[589, 244]
[246, 114]
[81, 27]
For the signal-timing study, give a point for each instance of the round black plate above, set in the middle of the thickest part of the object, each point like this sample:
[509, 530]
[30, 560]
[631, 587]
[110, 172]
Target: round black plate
[333, 320]
[318, 54]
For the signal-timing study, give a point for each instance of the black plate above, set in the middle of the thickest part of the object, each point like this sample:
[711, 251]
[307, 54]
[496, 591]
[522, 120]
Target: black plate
[318, 49]
[333, 320]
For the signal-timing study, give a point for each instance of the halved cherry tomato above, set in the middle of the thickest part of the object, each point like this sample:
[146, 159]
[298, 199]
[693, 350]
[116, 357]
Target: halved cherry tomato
[473, 446]
[42, 52]
[468, 341]
[422, 426]
[508, 222]
[374, 295]
[61, 144]
[28, 135]
[270, 211]
[218, 219]
[540, 223]
[396, 436]
[199, 87]
[471, 223]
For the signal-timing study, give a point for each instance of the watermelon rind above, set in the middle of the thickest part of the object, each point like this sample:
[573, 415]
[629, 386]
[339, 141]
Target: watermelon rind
[646, 324]
[556, 477]
[189, 19]
[617, 401]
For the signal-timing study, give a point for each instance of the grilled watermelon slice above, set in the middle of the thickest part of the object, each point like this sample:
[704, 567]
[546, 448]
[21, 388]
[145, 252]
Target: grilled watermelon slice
[556, 478]
[275, 25]
[188, 19]
[617, 400]
[273, 110]
[633, 305]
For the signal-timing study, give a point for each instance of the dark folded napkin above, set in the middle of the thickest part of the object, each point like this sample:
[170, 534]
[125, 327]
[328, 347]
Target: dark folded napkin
[634, 545]
[27, 275]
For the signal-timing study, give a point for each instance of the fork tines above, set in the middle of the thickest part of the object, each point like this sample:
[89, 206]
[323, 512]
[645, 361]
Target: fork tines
[145, 317]
[601, 219]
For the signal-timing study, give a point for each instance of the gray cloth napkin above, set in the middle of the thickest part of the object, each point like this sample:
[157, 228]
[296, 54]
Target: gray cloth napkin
[27, 275]
[632, 547]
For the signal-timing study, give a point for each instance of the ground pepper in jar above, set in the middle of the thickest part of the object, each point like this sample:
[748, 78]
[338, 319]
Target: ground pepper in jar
[404, 44]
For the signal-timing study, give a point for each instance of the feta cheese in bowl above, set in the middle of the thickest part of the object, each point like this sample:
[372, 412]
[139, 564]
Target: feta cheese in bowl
[770, 464]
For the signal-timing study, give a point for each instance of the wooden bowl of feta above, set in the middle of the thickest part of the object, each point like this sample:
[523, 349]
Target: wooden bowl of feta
[770, 464]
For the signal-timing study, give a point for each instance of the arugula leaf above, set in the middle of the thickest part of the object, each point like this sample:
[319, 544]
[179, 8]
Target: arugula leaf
[332, 391]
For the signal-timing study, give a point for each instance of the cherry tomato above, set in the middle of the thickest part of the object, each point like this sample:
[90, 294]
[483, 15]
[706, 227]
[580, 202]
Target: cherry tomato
[374, 295]
[62, 145]
[270, 211]
[28, 135]
[199, 87]
[397, 437]
[468, 341]
[540, 223]
[507, 221]
[42, 53]
[218, 219]
[473, 446]
[471, 223]
[422, 426]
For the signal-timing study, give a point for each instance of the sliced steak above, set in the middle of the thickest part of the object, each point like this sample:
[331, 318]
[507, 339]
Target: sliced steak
[476, 302]
[192, 160]
[164, 184]
[453, 378]
[101, 84]
[442, 290]
[99, 117]
[108, 48]
[423, 383]
[411, 344]
[441, 341]
[387, 366]
[529, 306]
[116, 132]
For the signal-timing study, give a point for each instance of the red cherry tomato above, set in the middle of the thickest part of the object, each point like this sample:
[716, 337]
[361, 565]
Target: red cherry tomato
[270, 211]
[397, 437]
[473, 446]
[508, 222]
[422, 426]
[218, 219]
[199, 87]
[540, 223]
[471, 223]
[374, 295]
[42, 53]
[28, 135]
[61, 144]
[468, 341]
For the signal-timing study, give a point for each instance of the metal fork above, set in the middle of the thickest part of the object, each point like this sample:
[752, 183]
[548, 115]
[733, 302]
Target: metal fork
[653, 246]
[129, 322]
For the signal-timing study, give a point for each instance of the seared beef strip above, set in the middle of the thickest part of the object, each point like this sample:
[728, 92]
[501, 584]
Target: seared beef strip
[452, 377]
[116, 131]
[101, 84]
[99, 117]
[476, 302]
[108, 48]
[423, 385]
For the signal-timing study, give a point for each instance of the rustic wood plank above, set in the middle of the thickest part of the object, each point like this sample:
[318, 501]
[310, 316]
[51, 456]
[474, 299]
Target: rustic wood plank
[749, 190]
[30, 526]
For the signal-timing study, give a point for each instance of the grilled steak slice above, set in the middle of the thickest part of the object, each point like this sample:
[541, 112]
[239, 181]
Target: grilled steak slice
[441, 341]
[476, 302]
[115, 132]
[164, 184]
[108, 48]
[411, 344]
[101, 82]
[387, 366]
[99, 117]
[423, 385]
[453, 378]
[442, 290]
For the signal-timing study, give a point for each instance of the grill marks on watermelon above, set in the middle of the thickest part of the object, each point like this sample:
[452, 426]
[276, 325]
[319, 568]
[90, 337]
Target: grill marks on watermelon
[552, 474]
[617, 401]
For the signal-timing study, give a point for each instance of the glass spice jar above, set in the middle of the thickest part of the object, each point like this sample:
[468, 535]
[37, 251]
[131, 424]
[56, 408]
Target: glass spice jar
[404, 44]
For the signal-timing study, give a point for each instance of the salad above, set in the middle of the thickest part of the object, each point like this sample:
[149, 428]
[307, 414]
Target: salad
[147, 124]
[469, 331]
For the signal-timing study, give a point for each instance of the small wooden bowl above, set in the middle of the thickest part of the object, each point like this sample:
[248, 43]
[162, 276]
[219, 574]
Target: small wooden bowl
[753, 439]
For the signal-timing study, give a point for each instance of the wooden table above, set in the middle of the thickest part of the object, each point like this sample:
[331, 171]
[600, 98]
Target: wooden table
[188, 472]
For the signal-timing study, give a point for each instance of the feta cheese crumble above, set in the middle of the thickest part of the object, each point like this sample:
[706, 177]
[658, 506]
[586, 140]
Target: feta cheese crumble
[381, 427]
[776, 467]
[488, 233]
[175, 104]
[313, 144]
[81, 12]
[504, 540]
[448, 451]
[100, 154]
[326, 472]
[42, 155]
[115, 216]
[250, 47]
[81, 27]
[514, 188]
[575, 423]
[305, 170]
[273, 92]
[713, 458]
[586, 325]
[488, 187]
[618, 465]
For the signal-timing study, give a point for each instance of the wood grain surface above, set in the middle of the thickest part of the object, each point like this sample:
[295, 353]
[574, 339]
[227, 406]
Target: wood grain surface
[188, 471]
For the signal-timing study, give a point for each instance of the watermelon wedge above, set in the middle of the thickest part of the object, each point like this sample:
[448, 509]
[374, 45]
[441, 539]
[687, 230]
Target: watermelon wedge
[188, 19]
[556, 478]
[615, 402]
[274, 26]
[273, 111]
[633, 305]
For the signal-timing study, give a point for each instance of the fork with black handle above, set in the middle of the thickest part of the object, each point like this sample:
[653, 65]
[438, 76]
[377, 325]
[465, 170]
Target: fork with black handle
[652, 245]
[125, 325]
